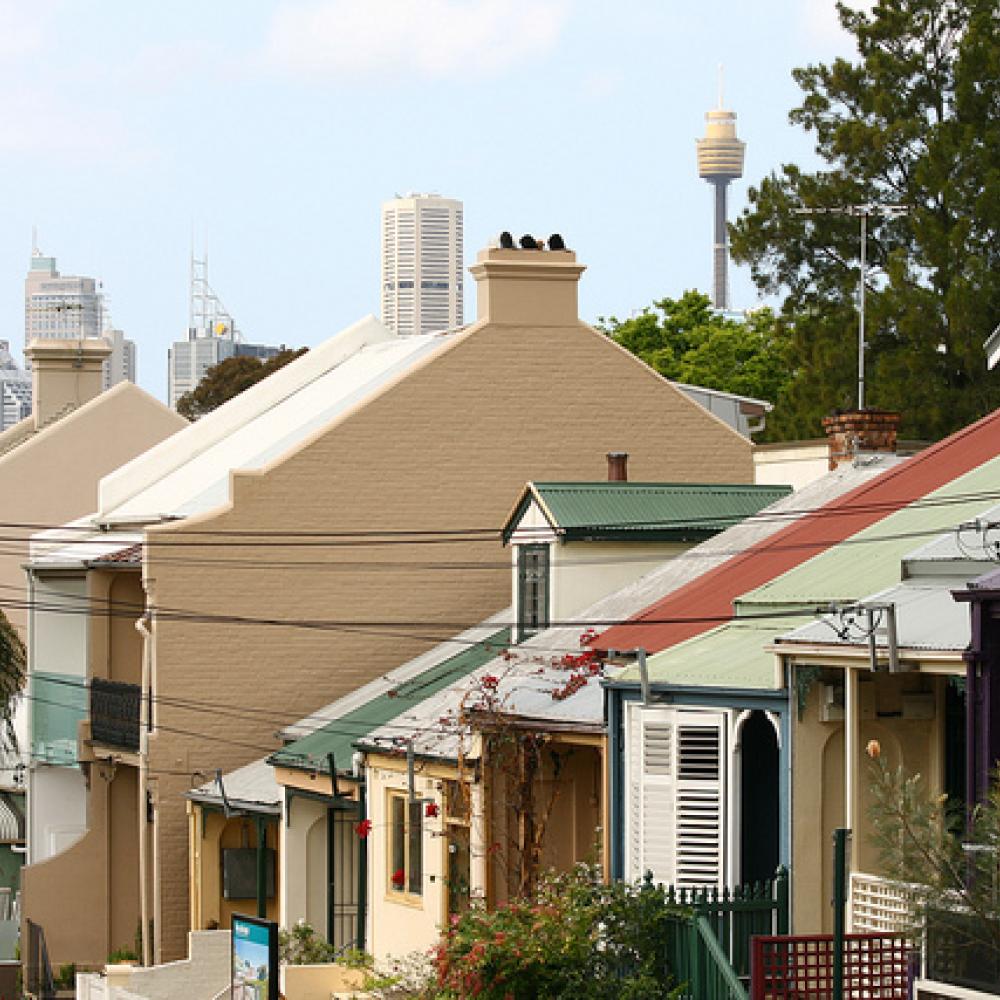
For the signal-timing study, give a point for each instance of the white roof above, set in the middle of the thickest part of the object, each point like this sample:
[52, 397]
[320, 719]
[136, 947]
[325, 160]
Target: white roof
[190, 471]
[252, 785]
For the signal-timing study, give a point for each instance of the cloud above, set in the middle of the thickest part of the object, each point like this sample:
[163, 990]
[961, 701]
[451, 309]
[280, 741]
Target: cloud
[433, 38]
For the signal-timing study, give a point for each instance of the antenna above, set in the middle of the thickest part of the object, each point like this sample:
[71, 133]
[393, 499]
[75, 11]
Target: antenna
[722, 82]
[34, 241]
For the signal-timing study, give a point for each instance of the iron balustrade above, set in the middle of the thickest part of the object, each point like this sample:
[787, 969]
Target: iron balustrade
[114, 713]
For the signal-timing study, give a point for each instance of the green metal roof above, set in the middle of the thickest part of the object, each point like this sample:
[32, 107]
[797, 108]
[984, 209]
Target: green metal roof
[731, 656]
[870, 560]
[641, 511]
[339, 736]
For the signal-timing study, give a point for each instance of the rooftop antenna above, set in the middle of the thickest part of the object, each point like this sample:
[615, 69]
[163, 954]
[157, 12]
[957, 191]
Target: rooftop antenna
[34, 241]
[722, 81]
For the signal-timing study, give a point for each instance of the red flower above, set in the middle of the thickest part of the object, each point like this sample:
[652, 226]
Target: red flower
[431, 809]
[363, 828]
[398, 878]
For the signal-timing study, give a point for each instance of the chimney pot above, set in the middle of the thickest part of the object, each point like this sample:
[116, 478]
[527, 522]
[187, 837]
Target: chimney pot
[854, 432]
[617, 466]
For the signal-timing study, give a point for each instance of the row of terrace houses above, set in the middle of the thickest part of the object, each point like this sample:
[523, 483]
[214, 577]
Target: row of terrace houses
[289, 548]
[738, 747]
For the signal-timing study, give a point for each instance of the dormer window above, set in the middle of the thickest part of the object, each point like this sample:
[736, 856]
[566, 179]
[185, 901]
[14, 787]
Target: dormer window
[532, 590]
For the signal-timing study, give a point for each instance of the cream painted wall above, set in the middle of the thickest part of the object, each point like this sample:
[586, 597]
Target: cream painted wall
[401, 924]
[794, 465]
[818, 782]
[57, 811]
[303, 864]
[58, 637]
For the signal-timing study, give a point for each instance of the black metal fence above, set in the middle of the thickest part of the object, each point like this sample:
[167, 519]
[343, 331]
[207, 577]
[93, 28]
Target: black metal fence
[38, 979]
[114, 713]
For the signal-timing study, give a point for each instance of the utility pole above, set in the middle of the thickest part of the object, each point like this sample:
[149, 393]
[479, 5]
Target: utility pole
[862, 211]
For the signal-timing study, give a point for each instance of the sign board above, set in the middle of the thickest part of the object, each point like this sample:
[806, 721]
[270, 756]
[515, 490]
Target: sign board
[254, 959]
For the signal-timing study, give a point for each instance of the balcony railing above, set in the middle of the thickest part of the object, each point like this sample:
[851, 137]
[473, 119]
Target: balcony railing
[114, 713]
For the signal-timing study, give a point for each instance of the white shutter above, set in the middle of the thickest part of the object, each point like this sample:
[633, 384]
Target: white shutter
[700, 808]
[674, 815]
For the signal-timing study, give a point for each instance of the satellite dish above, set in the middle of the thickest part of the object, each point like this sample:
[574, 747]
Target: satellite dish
[991, 345]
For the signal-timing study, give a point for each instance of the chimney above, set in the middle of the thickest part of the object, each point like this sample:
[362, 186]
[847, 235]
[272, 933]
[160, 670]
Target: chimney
[65, 374]
[527, 287]
[855, 432]
[617, 466]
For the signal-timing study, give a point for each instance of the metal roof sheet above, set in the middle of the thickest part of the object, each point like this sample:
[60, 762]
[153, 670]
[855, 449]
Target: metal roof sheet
[927, 618]
[339, 736]
[730, 656]
[679, 511]
[870, 559]
[673, 619]
[250, 787]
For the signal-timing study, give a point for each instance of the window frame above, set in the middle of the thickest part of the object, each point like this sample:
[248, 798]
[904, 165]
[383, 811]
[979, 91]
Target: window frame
[544, 596]
[413, 813]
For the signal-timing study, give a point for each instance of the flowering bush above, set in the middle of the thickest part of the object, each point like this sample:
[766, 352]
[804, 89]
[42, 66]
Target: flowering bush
[576, 937]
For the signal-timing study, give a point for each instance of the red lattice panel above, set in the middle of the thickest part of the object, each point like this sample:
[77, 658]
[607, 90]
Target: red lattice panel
[800, 967]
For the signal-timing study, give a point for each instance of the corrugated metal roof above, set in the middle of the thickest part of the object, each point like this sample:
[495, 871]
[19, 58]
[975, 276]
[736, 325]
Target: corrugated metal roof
[251, 787]
[678, 511]
[871, 558]
[713, 593]
[339, 736]
[927, 618]
[731, 656]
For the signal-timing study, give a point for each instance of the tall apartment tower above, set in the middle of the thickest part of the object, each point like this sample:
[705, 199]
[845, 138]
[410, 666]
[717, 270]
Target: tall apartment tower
[422, 264]
[720, 161]
[69, 307]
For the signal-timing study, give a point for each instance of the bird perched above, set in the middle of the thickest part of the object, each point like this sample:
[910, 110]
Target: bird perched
[556, 242]
[528, 242]
[506, 241]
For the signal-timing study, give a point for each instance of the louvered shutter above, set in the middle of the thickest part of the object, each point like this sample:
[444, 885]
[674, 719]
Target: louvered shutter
[675, 795]
[700, 799]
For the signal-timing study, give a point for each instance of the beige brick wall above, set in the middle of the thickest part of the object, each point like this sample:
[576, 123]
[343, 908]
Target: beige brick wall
[449, 446]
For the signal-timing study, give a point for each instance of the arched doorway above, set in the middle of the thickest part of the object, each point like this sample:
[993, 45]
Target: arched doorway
[759, 798]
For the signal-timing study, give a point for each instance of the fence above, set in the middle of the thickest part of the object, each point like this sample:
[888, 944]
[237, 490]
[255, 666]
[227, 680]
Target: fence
[38, 972]
[876, 967]
[709, 950]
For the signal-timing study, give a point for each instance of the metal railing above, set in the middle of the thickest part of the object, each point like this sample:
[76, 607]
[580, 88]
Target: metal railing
[114, 713]
[37, 970]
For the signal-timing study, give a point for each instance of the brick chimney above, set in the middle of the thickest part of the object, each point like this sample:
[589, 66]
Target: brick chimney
[527, 287]
[65, 374]
[617, 466]
[855, 432]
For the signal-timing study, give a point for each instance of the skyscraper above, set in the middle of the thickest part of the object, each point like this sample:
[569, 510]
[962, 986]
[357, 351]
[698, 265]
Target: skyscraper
[69, 307]
[212, 337]
[720, 160]
[15, 389]
[422, 264]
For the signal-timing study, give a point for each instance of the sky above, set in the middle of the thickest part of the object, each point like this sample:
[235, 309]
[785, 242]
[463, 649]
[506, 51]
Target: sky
[267, 133]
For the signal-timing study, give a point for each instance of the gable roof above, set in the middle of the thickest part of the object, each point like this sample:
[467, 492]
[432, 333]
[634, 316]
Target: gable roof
[711, 595]
[190, 473]
[642, 511]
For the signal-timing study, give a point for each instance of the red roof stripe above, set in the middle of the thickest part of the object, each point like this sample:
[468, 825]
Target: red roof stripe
[712, 593]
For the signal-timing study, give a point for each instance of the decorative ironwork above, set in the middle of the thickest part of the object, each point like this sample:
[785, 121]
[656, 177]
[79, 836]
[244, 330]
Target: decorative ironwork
[114, 713]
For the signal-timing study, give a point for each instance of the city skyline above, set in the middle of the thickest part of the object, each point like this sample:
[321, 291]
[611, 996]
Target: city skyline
[313, 128]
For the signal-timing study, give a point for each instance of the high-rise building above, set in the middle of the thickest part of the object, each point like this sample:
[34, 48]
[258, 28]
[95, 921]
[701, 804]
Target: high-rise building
[69, 307]
[422, 264]
[15, 389]
[212, 338]
[720, 161]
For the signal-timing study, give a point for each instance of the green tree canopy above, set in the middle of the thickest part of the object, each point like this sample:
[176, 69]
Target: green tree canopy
[13, 664]
[229, 378]
[913, 121]
[687, 341]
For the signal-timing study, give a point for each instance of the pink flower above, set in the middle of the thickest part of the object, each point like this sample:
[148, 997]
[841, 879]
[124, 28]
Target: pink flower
[431, 809]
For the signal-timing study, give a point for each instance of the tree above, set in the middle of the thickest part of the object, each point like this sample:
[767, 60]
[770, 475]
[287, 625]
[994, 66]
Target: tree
[914, 121]
[13, 663]
[687, 341]
[229, 378]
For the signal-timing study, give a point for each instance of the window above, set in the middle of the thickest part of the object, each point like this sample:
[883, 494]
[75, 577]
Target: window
[405, 845]
[532, 590]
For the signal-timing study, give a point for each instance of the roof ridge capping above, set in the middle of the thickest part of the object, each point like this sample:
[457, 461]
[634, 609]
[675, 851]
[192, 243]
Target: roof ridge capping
[130, 479]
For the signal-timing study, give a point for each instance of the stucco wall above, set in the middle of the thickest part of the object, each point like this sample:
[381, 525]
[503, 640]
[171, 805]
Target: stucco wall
[818, 786]
[53, 477]
[448, 446]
